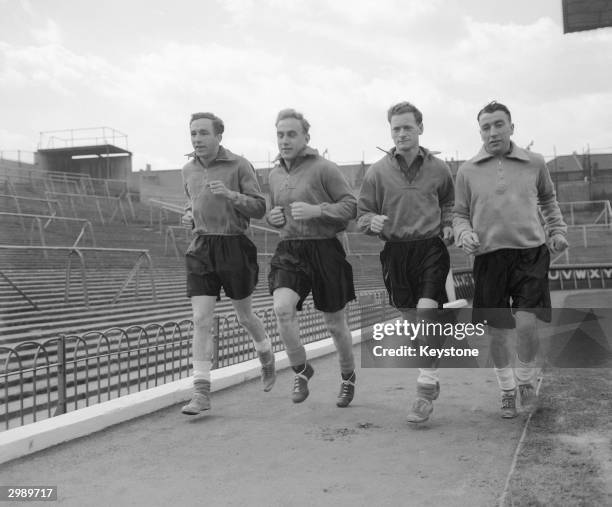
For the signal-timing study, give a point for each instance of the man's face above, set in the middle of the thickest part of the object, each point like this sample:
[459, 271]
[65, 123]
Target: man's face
[203, 138]
[291, 138]
[495, 131]
[405, 131]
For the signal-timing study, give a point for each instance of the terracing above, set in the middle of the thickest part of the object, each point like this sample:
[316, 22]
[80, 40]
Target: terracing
[80, 255]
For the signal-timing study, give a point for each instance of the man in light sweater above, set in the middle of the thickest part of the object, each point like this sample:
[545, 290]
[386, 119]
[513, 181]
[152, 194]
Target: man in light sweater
[311, 202]
[223, 194]
[406, 199]
[496, 218]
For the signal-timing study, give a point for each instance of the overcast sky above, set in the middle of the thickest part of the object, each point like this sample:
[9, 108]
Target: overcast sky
[143, 66]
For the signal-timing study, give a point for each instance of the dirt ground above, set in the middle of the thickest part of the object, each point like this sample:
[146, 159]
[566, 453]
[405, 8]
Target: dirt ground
[566, 458]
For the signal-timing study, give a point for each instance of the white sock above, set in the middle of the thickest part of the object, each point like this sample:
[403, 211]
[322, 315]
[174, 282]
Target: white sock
[201, 370]
[505, 378]
[263, 346]
[428, 376]
[525, 371]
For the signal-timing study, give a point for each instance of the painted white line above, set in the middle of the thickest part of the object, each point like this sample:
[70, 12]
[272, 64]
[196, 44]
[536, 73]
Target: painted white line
[504, 495]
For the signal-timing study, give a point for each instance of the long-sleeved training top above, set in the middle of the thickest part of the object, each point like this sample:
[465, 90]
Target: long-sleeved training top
[314, 180]
[417, 209]
[216, 214]
[498, 198]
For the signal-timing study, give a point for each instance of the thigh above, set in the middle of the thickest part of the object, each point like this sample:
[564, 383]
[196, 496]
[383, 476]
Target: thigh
[287, 271]
[529, 282]
[202, 278]
[236, 265]
[331, 275]
[401, 285]
[433, 267]
[491, 289]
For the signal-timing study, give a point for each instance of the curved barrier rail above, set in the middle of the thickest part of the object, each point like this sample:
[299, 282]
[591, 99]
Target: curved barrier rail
[41, 380]
[143, 260]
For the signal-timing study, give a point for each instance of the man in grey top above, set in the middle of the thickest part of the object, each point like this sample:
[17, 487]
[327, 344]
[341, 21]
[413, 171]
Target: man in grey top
[406, 199]
[311, 202]
[223, 195]
[496, 218]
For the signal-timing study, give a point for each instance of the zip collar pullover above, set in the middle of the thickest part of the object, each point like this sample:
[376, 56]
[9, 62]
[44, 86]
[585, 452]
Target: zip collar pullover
[498, 198]
[215, 214]
[314, 180]
[418, 204]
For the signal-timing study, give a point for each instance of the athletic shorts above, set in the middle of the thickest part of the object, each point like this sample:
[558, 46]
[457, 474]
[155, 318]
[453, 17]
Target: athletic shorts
[319, 265]
[520, 275]
[415, 269]
[215, 261]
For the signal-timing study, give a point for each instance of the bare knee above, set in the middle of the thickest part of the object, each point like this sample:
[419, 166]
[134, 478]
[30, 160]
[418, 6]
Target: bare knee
[525, 323]
[245, 319]
[285, 313]
[336, 324]
[202, 320]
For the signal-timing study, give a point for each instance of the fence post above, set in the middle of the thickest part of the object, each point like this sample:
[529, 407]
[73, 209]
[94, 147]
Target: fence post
[215, 333]
[61, 376]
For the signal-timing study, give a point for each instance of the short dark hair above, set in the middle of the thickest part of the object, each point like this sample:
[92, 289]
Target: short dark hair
[292, 113]
[217, 122]
[405, 107]
[492, 107]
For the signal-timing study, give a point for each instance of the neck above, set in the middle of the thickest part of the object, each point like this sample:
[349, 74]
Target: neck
[206, 161]
[409, 155]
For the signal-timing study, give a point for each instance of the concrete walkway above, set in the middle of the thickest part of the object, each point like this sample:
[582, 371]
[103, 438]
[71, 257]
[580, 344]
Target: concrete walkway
[256, 448]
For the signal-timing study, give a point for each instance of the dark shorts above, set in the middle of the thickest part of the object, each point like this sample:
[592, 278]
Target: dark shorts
[415, 269]
[221, 261]
[319, 265]
[520, 275]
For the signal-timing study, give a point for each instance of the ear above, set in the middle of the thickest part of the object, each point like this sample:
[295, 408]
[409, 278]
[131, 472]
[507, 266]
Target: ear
[219, 137]
[307, 138]
[512, 129]
[421, 128]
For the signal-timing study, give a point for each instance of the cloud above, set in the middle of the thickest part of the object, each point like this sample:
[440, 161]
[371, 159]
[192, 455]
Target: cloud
[49, 34]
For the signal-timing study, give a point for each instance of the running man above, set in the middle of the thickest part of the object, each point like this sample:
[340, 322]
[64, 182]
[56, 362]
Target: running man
[406, 199]
[223, 195]
[496, 219]
[311, 203]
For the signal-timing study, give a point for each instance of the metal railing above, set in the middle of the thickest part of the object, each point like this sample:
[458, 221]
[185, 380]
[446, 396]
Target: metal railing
[37, 222]
[143, 260]
[41, 380]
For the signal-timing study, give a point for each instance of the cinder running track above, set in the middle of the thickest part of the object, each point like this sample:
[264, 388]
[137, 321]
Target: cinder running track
[255, 448]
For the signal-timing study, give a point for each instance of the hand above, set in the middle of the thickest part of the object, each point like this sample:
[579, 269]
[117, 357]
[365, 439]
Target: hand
[305, 211]
[470, 242]
[187, 220]
[217, 187]
[447, 236]
[557, 243]
[377, 223]
[276, 217]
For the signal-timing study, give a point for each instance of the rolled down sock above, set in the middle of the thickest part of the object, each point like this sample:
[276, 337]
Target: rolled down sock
[525, 372]
[428, 376]
[505, 378]
[201, 370]
[263, 346]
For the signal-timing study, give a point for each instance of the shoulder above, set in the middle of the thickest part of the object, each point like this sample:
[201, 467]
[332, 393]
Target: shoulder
[188, 167]
[436, 163]
[536, 159]
[378, 166]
